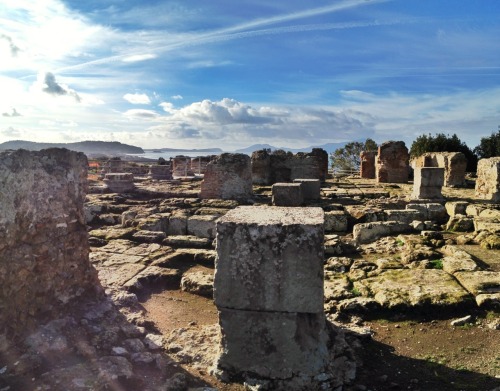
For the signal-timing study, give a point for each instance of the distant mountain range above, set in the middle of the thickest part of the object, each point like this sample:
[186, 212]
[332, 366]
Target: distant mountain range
[329, 148]
[108, 148]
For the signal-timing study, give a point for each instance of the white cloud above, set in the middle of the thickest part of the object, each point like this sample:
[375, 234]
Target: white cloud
[139, 57]
[177, 97]
[168, 107]
[137, 99]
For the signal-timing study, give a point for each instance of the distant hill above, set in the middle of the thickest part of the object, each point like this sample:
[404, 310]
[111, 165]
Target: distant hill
[329, 148]
[183, 150]
[108, 148]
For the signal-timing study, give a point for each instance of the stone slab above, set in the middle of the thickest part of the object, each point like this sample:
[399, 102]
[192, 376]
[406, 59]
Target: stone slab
[400, 288]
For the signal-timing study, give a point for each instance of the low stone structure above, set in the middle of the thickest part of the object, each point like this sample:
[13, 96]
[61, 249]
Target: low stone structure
[160, 172]
[488, 179]
[392, 164]
[311, 188]
[181, 166]
[287, 194]
[119, 182]
[44, 264]
[269, 293]
[114, 165]
[199, 164]
[280, 166]
[367, 167]
[228, 176]
[427, 183]
[454, 164]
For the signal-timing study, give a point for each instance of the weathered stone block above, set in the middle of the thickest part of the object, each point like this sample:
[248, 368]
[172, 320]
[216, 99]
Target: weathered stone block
[430, 211]
[276, 345]
[369, 232]
[453, 163]
[177, 223]
[488, 179]
[160, 172]
[119, 182]
[456, 208]
[427, 183]
[335, 221]
[202, 226]
[311, 188]
[287, 194]
[403, 215]
[270, 259]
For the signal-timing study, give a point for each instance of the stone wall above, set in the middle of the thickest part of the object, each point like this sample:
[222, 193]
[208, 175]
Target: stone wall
[228, 176]
[367, 167]
[392, 162]
[488, 179]
[454, 164]
[44, 262]
[280, 166]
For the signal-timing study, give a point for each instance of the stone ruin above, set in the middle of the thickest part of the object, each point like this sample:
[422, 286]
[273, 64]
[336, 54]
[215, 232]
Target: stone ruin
[228, 176]
[367, 167]
[392, 164]
[119, 182]
[44, 250]
[454, 164]
[199, 164]
[160, 172]
[427, 183]
[181, 166]
[488, 179]
[287, 194]
[269, 293]
[280, 166]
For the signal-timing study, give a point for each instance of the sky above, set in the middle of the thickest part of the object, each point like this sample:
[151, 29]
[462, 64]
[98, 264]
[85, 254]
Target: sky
[200, 74]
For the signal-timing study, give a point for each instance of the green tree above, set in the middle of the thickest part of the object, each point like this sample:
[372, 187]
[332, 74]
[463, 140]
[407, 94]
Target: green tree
[489, 146]
[443, 143]
[347, 158]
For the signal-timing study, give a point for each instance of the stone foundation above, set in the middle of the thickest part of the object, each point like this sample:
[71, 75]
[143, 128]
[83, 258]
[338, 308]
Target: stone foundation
[488, 179]
[392, 165]
[44, 264]
[228, 176]
[269, 293]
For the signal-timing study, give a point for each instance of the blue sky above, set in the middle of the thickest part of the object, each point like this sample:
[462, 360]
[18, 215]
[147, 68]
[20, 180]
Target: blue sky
[197, 73]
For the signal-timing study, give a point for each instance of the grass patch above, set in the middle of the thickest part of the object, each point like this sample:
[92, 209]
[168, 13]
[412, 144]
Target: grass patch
[436, 264]
[355, 292]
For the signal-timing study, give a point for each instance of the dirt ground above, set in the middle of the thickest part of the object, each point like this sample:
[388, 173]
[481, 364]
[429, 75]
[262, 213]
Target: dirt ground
[405, 352]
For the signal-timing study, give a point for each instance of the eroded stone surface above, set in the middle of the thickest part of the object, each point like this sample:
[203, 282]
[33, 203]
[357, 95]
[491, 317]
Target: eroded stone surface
[488, 179]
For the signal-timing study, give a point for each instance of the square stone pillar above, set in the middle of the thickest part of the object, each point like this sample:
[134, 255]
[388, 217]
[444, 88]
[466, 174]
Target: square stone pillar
[311, 188]
[488, 179]
[268, 288]
[287, 194]
[427, 183]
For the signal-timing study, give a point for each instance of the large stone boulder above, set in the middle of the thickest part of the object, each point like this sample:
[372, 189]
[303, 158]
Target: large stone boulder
[392, 164]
